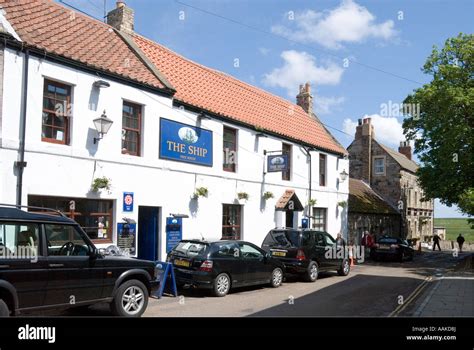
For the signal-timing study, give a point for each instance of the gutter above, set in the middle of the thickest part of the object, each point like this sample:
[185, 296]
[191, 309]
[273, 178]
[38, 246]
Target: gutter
[20, 165]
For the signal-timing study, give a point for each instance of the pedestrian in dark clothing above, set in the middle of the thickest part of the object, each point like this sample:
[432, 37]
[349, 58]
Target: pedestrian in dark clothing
[436, 240]
[340, 241]
[460, 240]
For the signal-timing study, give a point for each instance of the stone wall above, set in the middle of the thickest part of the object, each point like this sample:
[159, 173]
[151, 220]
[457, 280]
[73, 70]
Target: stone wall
[378, 224]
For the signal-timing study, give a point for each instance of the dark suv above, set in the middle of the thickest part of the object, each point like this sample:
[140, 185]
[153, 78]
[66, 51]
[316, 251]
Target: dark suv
[48, 262]
[306, 252]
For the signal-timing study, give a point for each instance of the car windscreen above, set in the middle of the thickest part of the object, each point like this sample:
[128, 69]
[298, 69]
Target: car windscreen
[286, 238]
[190, 248]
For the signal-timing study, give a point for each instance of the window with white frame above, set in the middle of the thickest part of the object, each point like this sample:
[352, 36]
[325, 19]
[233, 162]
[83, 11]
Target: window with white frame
[379, 166]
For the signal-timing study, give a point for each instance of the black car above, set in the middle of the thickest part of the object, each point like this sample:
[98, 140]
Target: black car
[392, 248]
[222, 265]
[306, 252]
[48, 262]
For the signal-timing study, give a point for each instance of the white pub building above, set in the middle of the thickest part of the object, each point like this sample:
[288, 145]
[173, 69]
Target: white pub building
[112, 128]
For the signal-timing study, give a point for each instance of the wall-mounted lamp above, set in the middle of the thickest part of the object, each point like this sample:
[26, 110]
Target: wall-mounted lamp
[102, 125]
[99, 84]
[344, 175]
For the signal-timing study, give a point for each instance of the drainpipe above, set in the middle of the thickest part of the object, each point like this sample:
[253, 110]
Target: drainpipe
[307, 150]
[21, 164]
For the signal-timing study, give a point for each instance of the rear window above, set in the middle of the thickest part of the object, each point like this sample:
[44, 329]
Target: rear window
[283, 238]
[190, 249]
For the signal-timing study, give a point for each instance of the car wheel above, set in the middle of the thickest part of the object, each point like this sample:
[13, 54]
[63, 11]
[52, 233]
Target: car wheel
[345, 268]
[4, 311]
[131, 299]
[312, 272]
[277, 278]
[221, 285]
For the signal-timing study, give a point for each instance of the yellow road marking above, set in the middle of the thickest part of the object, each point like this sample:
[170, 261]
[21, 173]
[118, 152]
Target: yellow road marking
[411, 297]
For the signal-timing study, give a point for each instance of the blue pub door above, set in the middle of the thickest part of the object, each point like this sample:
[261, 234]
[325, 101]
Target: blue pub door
[148, 232]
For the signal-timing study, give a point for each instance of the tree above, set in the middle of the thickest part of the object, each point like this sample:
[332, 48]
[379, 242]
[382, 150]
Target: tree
[443, 130]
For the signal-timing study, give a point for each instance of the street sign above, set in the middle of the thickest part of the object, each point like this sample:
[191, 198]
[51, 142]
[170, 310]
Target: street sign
[277, 163]
[128, 201]
[164, 277]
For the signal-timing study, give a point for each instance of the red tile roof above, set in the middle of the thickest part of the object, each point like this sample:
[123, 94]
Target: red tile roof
[231, 98]
[61, 31]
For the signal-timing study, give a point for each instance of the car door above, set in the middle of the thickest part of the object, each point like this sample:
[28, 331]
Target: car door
[257, 268]
[227, 258]
[320, 251]
[73, 276]
[22, 263]
[336, 255]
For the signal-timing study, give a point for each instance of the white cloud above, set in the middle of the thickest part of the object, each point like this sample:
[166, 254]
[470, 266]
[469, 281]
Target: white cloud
[300, 67]
[324, 105]
[388, 130]
[347, 23]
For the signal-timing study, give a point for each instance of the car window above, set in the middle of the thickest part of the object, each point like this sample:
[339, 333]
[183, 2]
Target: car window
[320, 239]
[249, 252]
[65, 240]
[19, 240]
[286, 238]
[307, 239]
[190, 249]
[226, 250]
[328, 239]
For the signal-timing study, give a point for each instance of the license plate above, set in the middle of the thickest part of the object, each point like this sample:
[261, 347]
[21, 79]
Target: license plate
[279, 253]
[179, 262]
[384, 247]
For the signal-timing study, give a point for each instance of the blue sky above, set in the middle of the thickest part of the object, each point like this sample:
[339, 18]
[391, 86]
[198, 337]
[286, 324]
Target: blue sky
[359, 56]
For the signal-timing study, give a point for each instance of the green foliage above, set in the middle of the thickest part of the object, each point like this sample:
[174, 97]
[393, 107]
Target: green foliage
[267, 195]
[243, 195]
[201, 192]
[101, 183]
[455, 226]
[312, 202]
[444, 129]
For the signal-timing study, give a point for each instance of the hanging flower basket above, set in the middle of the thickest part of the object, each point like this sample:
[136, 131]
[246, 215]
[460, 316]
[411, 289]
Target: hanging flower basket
[243, 196]
[267, 195]
[200, 192]
[101, 183]
[312, 202]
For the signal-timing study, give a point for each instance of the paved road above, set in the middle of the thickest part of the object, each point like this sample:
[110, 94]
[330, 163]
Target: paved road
[372, 289]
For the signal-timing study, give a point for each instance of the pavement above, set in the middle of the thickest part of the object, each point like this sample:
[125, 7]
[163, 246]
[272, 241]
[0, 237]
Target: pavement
[451, 293]
[433, 284]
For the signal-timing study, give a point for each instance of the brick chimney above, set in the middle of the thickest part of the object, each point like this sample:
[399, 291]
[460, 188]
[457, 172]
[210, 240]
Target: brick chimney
[304, 99]
[405, 149]
[122, 18]
[362, 167]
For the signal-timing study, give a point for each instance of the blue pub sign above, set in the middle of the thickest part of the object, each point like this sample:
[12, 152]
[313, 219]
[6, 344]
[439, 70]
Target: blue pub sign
[185, 143]
[277, 163]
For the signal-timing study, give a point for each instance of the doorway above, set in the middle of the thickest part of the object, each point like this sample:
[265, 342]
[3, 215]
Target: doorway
[289, 218]
[148, 233]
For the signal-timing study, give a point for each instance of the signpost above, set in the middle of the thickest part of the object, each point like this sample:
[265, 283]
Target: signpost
[174, 232]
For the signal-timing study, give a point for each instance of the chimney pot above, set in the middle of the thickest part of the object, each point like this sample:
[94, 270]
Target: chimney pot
[360, 121]
[121, 4]
[121, 18]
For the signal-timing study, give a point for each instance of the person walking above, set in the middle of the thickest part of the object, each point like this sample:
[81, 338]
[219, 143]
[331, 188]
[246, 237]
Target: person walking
[460, 240]
[436, 240]
[364, 243]
[340, 241]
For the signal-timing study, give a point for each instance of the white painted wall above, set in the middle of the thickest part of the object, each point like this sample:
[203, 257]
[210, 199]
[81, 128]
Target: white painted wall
[68, 171]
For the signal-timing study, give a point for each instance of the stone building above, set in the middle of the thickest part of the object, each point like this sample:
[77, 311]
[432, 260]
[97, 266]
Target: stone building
[392, 175]
[369, 211]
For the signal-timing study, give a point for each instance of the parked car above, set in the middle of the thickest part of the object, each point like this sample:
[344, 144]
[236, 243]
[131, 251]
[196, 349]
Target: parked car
[222, 265]
[306, 252]
[48, 262]
[392, 248]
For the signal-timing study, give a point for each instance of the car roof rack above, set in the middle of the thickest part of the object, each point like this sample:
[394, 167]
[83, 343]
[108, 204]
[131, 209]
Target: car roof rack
[44, 210]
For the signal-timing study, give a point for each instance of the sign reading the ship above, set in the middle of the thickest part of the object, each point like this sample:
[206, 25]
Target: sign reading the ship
[185, 143]
[277, 163]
